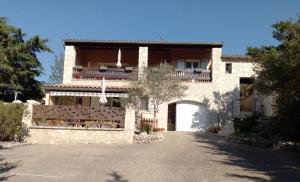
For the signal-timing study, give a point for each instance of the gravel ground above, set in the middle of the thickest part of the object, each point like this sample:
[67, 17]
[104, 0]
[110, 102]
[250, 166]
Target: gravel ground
[180, 157]
[8, 145]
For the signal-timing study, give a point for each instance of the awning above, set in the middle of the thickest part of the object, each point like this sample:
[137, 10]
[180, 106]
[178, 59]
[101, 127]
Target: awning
[87, 94]
[84, 88]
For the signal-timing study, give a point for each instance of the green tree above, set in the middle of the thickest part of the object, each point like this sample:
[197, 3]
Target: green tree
[278, 73]
[158, 85]
[57, 69]
[19, 64]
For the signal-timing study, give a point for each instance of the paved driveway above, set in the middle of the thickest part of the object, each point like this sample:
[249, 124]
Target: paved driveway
[181, 157]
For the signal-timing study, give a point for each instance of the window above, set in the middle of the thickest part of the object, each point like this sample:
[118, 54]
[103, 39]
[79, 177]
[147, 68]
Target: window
[58, 101]
[188, 65]
[191, 64]
[204, 64]
[113, 102]
[116, 102]
[78, 101]
[144, 102]
[195, 64]
[228, 68]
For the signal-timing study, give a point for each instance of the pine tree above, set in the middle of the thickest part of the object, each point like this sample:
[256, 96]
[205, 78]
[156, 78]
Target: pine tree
[19, 65]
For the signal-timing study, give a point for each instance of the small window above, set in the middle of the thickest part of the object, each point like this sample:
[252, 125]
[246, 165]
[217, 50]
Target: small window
[204, 64]
[116, 102]
[192, 64]
[58, 101]
[195, 64]
[188, 65]
[228, 68]
[78, 101]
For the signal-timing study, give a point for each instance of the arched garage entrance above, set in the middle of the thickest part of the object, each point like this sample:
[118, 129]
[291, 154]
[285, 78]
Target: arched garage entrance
[187, 116]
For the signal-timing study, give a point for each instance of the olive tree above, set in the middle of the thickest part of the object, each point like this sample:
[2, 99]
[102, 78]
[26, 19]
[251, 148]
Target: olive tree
[157, 84]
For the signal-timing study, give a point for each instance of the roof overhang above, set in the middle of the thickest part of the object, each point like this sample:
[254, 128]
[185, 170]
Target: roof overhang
[86, 42]
[87, 94]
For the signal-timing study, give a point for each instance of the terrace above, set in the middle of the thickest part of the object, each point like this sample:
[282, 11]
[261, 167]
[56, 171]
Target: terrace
[95, 63]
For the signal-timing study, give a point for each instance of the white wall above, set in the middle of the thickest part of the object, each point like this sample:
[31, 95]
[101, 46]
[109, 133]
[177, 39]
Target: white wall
[222, 83]
[198, 91]
[69, 63]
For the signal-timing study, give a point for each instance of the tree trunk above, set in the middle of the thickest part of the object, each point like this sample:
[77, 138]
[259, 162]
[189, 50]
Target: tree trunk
[154, 119]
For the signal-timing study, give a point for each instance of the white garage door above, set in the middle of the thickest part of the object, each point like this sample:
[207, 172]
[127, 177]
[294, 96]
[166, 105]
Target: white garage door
[191, 116]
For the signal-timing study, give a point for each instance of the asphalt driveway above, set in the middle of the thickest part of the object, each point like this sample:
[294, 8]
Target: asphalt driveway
[181, 157]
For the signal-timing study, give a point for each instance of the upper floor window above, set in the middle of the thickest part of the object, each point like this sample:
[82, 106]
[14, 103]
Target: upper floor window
[228, 67]
[204, 64]
[192, 64]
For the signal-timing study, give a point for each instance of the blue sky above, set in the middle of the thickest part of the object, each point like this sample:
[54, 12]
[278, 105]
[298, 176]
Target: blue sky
[237, 23]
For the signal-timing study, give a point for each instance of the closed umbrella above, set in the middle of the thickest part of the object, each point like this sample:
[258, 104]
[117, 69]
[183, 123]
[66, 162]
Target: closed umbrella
[103, 99]
[119, 59]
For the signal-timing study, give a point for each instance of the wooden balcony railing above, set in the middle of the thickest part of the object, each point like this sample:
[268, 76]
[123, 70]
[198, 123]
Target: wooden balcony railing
[85, 73]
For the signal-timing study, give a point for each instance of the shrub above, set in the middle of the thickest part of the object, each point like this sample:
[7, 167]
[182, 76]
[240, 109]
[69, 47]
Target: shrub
[11, 127]
[108, 124]
[269, 129]
[146, 128]
[246, 125]
[214, 129]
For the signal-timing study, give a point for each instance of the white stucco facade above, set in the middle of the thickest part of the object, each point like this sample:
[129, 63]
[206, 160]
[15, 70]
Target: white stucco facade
[69, 63]
[225, 84]
[203, 93]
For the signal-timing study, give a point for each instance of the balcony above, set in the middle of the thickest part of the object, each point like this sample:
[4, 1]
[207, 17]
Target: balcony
[194, 75]
[94, 73]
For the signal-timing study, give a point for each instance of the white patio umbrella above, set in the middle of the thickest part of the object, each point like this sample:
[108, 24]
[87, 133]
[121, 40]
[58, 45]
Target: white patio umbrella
[119, 59]
[103, 99]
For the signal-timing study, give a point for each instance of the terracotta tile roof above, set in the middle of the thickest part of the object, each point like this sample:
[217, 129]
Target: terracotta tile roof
[142, 42]
[236, 58]
[73, 87]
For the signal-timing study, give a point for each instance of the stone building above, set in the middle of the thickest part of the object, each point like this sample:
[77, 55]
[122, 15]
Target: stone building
[218, 85]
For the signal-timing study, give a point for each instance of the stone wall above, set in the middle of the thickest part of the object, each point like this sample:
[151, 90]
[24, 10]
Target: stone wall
[73, 135]
[59, 135]
[69, 63]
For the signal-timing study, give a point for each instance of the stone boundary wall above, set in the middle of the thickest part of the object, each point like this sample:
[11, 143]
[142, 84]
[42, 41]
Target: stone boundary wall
[74, 135]
[69, 135]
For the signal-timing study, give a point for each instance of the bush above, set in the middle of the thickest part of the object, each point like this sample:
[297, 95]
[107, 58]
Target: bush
[146, 128]
[246, 125]
[11, 127]
[214, 129]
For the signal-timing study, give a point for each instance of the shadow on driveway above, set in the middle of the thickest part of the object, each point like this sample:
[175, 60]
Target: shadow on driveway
[5, 167]
[278, 165]
[116, 177]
